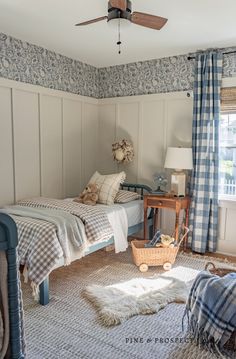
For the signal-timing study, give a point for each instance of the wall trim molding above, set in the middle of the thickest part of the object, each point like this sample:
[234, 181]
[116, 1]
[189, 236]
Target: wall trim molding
[227, 82]
[45, 91]
[146, 98]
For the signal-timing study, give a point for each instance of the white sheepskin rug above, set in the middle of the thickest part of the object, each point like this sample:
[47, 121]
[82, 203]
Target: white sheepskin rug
[119, 302]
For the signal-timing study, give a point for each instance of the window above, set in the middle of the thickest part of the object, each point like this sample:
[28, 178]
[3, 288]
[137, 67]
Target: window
[227, 176]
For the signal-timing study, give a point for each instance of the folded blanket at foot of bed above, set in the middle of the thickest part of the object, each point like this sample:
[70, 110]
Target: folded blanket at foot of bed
[211, 310]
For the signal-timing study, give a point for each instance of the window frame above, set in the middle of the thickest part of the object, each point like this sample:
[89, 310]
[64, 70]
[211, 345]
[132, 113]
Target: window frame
[225, 111]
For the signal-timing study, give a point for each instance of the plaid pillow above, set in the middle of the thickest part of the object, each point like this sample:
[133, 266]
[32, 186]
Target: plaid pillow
[108, 186]
[126, 196]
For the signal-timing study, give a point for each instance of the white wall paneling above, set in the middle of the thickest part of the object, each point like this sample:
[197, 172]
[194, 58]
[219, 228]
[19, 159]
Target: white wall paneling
[45, 128]
[51, 146]
[179, 122]
[152, 140]
[89, 141]
[6, 151]
[107, 135]
[26, 143]
[72, 148]
[151, 122]
[51, 142]
[227, 215]
[127, 127]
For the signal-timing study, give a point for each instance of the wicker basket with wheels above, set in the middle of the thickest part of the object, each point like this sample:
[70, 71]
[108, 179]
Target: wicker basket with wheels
[155, 256]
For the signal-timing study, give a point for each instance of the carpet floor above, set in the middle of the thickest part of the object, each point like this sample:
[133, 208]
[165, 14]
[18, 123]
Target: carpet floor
[68, 327]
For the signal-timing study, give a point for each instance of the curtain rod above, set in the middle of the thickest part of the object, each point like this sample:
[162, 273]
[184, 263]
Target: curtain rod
[224, 53]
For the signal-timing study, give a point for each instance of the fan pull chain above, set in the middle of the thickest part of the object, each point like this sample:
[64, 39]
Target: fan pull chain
[119, 42]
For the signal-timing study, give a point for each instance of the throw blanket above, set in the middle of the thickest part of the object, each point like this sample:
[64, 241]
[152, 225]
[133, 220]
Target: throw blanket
[69, 228]
[97, 226]
[39, 248]
[211, 309]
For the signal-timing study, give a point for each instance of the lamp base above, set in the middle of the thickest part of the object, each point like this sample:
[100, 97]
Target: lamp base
[178, 184]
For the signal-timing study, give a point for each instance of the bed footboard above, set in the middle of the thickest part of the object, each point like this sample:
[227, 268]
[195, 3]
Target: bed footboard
[8, 243]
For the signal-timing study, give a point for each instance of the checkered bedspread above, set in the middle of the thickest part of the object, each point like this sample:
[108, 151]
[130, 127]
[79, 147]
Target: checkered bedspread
[39, 248]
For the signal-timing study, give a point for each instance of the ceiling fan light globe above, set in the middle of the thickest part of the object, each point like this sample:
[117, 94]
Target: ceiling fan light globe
[113, 23]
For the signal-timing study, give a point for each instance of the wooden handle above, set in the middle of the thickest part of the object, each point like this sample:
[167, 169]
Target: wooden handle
[185, 234]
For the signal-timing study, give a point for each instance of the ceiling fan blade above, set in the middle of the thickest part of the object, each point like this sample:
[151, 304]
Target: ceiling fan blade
[119, 4]
[91, 21]
[152, 21]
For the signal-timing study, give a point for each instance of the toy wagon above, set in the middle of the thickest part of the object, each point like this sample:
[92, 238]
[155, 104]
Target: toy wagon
[155, 256]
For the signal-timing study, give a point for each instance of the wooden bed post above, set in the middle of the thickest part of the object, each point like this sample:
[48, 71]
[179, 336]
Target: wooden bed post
[44, 292]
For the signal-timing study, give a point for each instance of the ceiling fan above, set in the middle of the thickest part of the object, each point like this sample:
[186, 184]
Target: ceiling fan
[122, 9]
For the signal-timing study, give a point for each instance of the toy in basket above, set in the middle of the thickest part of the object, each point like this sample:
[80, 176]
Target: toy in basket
[163, 253]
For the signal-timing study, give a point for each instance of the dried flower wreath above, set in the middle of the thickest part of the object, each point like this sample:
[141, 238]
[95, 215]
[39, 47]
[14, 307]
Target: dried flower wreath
[123, 151]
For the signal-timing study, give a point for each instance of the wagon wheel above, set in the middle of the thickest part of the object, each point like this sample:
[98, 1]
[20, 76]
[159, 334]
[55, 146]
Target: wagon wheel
[143, 267]
[167, 266]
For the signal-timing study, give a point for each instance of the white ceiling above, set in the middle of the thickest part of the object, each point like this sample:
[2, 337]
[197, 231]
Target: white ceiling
[192, 25]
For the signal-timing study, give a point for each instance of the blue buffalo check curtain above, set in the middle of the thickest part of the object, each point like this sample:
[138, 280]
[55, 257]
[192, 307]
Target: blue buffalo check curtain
[205, 138]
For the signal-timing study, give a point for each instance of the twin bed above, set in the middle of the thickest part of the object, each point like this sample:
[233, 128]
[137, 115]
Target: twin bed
[53, 233]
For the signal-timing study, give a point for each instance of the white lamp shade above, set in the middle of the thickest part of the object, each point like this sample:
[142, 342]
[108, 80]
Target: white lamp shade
[179, 158]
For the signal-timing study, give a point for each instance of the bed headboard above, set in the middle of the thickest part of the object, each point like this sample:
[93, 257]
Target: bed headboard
[136, 187]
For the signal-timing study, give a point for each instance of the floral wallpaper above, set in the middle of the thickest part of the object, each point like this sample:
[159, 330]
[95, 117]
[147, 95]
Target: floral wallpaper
[21, 61]
[148, 77]
[29, 63]
[168, 74]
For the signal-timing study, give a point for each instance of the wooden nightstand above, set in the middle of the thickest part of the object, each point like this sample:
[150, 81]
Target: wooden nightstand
[172, 203]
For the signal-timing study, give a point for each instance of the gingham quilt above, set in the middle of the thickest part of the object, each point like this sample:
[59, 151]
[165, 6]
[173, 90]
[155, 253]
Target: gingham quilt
[39, 248]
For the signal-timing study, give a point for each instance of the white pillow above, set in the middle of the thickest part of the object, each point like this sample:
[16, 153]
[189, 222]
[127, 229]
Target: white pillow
[108, 186]
[126, 196]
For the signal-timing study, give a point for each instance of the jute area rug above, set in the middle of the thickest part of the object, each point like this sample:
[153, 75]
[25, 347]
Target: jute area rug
[69, 326]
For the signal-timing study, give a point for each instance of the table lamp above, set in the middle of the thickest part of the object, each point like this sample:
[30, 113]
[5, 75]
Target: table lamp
[180, 159]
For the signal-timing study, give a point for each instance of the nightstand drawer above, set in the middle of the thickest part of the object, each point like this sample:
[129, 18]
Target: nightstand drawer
[154, 202]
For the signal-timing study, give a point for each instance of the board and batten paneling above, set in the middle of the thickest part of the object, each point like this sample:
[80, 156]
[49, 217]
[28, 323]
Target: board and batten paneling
[51, 146]
[152, 140]
[127, 127]
[72, 149]
[48, 141]
[226, 232]
[26, 144]
[107, 136]
[152, 123]
[179, 122]
[89, 141]
[6, 149]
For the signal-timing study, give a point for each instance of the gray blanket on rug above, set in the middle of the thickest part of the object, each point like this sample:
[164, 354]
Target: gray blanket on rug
[211, 310]
[69, 228]
[4, 316]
